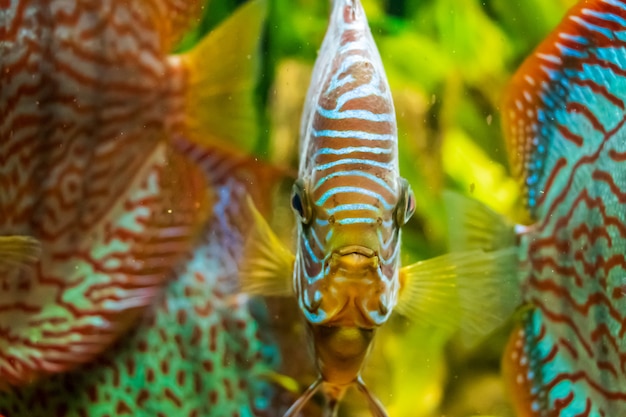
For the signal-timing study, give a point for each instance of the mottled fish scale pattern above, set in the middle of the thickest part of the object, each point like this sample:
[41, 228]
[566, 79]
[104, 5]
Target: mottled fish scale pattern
[84, 97]
[349, 154]
[199, 349]
[564, 117]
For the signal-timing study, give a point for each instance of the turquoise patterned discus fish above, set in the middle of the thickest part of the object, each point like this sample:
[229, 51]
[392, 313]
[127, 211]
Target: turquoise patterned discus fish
[198, 351]
[564, 117]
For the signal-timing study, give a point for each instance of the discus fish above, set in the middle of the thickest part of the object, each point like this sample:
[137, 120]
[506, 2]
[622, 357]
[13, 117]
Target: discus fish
[198, 350]
[89, 101]
[350, 203]
[564, 116]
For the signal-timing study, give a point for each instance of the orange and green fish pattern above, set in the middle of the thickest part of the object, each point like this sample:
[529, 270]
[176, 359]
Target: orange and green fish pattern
[564, 120]
[199, 350]
[89, 102]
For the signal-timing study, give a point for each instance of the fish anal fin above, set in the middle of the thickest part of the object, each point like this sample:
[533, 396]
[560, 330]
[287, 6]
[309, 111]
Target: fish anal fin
[267, 265]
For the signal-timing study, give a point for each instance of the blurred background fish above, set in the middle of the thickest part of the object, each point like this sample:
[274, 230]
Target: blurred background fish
[90, 103]
[563, 118]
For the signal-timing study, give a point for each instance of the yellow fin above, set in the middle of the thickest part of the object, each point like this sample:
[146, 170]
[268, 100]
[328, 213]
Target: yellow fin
[475, 291]
[267, 265]
[16, 251]
[429, 293]
[220, 107]
[286, 382]
[473, 225]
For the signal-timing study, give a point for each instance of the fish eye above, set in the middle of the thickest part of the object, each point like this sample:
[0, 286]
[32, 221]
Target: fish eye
[300, 203]
[406, 203]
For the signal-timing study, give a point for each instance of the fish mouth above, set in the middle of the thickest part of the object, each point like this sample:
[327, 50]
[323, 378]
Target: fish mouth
[354, 258]
[356, 249]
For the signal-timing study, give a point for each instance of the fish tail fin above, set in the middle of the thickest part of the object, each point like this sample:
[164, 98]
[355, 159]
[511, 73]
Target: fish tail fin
[222, 71]
[475, 291]
[267, 265]
[294, 410]
[473, 225]
[16, 251]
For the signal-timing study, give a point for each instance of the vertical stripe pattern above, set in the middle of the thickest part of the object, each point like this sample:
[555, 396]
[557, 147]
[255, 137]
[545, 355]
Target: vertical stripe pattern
[348, 161]
[564, 119]
[85, 94]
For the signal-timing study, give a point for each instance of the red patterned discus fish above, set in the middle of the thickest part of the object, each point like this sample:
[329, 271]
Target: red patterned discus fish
[564, 119]
[95, 206]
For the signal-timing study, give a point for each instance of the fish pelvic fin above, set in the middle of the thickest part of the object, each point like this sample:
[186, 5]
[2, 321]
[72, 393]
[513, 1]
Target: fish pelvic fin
[376, 408]
[18, 251]
[221, 78]
[267, 265]
[474, 291]
[473, 225]
[294, 410]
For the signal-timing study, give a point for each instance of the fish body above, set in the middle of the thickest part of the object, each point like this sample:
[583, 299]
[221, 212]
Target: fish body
[564, 118]
[89, 101]
[350, 202]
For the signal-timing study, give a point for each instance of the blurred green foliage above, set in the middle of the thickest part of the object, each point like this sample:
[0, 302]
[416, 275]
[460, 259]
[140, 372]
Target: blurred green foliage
[448, 63]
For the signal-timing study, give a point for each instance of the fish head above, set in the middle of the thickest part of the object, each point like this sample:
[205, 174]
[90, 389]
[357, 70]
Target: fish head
[347, 257]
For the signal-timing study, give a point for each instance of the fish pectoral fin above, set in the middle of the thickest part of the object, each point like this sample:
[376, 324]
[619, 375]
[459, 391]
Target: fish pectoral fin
[428, 291]
[220, 107]
[296, 407]
[17, 251]
[475, 291]
[473, 225]
[376, 408]
[284, 381]
[267, 265]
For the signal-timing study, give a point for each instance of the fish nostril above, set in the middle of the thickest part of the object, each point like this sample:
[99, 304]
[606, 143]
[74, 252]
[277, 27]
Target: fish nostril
[316, 303]
[382, 308]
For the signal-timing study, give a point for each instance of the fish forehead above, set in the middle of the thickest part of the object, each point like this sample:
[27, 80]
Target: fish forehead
[564, 117]
[85, 170]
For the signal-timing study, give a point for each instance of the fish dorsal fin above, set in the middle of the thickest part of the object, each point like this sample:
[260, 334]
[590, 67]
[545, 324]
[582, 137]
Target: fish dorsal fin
[472, 225]
[222, 70]
[566, 99]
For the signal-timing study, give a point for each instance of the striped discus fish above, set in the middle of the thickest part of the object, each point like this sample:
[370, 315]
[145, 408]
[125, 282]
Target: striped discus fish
[95, 206]
[197, 352]
[564, 120]
[350, 203]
